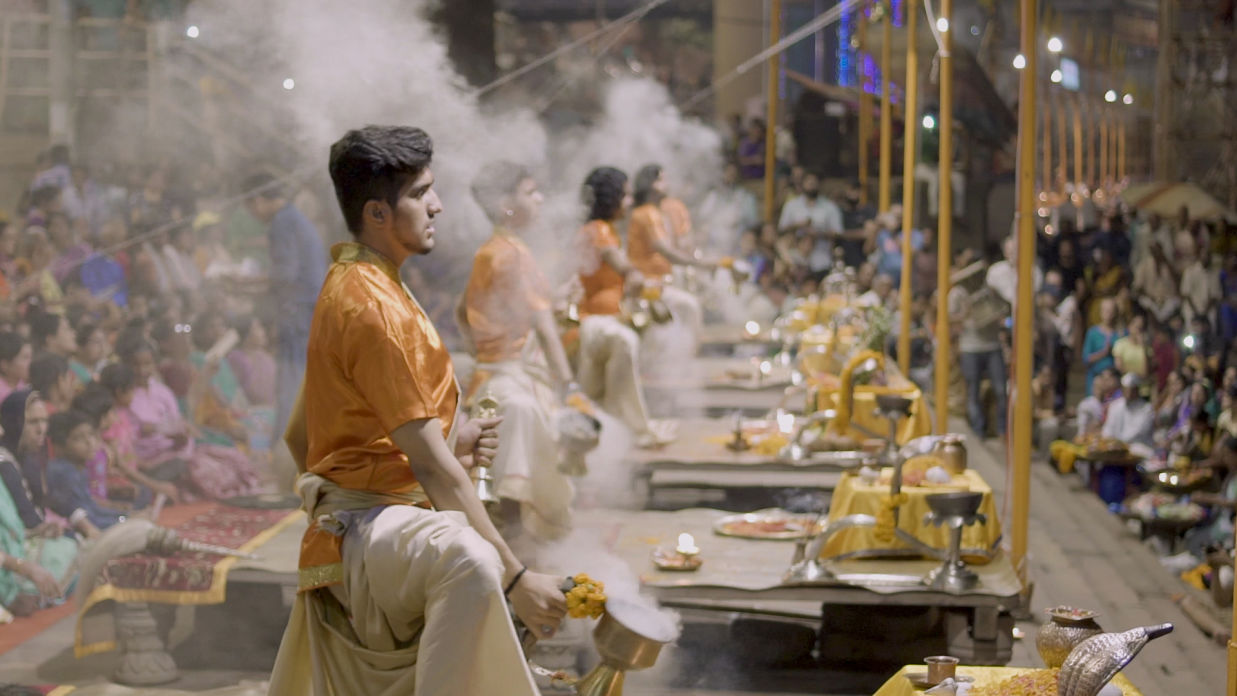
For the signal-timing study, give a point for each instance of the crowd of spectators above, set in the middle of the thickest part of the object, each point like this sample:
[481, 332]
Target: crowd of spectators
[149, 335]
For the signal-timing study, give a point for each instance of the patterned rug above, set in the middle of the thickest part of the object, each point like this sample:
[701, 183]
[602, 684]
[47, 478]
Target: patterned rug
[181, 578]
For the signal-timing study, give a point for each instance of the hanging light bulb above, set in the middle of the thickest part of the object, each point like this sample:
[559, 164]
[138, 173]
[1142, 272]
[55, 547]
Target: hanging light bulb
[1110, 96]
[942, 24]
[1020, 62]
[1055, 45]
[1057, 76]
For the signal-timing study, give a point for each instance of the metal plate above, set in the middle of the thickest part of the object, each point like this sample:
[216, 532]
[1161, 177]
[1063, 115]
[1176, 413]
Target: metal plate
[797, 526]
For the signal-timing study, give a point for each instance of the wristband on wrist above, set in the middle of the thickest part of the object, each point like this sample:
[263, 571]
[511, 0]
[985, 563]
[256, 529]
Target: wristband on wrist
[516, 579]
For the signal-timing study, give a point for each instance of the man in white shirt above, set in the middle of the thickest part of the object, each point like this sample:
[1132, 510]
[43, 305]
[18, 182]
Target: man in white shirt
[1155, 286]
[728, 211]
[881, 294]
[811, 210]
[1093, 410]
[1003, 275]
[1199, 291]
[1131, 418]
[1063, 316]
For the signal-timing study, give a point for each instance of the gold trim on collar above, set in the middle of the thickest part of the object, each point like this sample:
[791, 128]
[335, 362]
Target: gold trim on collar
[355, 252]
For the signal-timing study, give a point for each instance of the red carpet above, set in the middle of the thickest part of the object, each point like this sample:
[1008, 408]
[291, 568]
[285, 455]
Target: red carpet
[22, 630]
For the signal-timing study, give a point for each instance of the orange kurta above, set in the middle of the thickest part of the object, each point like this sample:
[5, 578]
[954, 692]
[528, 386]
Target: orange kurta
[603, 286]
[646, 230]
[679, 222]
[505, 291]
[375, 363]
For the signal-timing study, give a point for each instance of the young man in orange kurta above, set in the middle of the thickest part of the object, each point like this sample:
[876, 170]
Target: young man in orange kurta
[521, 362]
[402, 574]
[609, 348]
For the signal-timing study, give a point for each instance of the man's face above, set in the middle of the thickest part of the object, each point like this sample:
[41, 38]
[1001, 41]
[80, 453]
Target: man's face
[661, 186]
[418, 204]
[65, 341]
[628, 201]
[811, 186]
[524, 203]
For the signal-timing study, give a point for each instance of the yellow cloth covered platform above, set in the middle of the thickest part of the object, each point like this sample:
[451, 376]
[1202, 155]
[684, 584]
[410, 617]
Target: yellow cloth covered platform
[898, 685]
[854, 497]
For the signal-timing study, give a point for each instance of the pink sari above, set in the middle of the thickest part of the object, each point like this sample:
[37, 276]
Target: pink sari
[215, 471]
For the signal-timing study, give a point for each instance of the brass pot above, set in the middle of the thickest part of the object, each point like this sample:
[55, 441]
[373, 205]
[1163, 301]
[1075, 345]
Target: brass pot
[623, 648]
[1064, 629]
[952, 451]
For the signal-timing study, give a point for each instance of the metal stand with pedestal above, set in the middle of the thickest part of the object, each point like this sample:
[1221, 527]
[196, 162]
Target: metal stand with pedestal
[143, 660]
[957, 511]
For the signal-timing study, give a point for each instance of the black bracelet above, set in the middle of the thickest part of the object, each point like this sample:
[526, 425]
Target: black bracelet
[511, 585]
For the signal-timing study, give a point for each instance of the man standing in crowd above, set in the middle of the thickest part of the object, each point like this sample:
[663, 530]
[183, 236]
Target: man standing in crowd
[298, 265]
[815, 214]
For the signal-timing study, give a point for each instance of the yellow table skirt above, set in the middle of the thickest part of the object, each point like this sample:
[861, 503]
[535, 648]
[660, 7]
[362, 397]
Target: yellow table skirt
[863, 412]
[898, 685]
[854, 497]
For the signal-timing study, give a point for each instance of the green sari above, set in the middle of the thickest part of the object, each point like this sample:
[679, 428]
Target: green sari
[57, 556]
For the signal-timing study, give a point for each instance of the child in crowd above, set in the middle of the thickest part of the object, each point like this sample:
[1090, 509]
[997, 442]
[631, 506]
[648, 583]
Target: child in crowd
[68, 481]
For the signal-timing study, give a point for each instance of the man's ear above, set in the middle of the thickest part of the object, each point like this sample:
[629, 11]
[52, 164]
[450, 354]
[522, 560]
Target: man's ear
[376, 212]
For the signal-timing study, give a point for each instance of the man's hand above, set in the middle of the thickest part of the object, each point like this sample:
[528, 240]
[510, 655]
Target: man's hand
[46, 530]
[540, 603]
[478, 438]
[43, 581]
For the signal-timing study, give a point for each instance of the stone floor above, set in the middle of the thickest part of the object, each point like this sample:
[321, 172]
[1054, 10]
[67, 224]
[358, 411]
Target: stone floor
[1080, 555]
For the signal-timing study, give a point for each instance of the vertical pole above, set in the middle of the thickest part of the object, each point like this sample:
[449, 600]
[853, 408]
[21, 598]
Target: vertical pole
[61, 96]
[1062, 146]
[865, 111]
[1046, 143]
[945, 223]
[775, 35]
[1114, 148]
[1077, 141]
[886, 149]
[1088, 126]
[910, 148]
[1165, 94]
[1121, 145]
[1232, 651]
[1102, 117]
[1020, 484]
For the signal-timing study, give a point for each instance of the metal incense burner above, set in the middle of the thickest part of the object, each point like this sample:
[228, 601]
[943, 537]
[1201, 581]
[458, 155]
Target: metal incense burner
[806, 566]
[623, 648]
[956, 510]
[486, 406]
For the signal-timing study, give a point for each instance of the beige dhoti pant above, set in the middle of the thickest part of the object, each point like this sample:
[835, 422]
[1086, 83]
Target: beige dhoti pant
[609, 357]
[526, 467]
[420, 611]
[667, 349]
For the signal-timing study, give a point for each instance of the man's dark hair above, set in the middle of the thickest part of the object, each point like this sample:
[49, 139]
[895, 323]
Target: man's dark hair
[117, 378]
[494, 181]
[62, 424]
[263, 185]
[44, 325]
[94, 402]
[374, 163]
[642, 189]
[603, 193]
[85, 330]
[1111, 372]
[45, 371]
[10, 345]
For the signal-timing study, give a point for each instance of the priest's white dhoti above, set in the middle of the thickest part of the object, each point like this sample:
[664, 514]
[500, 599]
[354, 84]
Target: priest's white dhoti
[609, 357]
[420, 611]
[526, 467]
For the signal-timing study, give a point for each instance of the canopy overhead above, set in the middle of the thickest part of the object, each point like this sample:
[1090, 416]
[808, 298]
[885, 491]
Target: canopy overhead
[1166, 199]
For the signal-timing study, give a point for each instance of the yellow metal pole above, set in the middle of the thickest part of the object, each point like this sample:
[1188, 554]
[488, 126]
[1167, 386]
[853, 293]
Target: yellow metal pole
[1020, 485]
[910, 148]
[1046, 143]
[1232, 650]
[1077, 141]
[1088, 126]
[1062, 151]
[1104, 146]
[945, 222]
[886, 150]
[775, 35]
[1114, 149]
[865, 113]
[1121, 145]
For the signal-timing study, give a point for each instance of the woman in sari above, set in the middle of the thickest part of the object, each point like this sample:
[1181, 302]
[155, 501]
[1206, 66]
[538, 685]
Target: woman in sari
[38, 563]
[166, 448]
[1105, 283]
